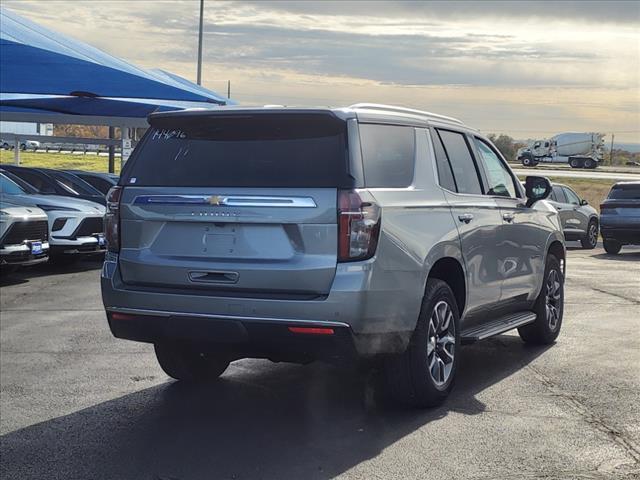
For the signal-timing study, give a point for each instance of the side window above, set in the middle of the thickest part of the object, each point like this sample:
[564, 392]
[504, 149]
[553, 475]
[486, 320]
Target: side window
[462, 164]
[500, 180]
[98, 183]
[571, 196]
[388, 155]
[37, 182]
[559, 194]
[445, 173]
[66, 184]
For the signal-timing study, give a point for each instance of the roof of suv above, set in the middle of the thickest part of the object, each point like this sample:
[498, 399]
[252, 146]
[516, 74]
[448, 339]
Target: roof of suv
[358, 110]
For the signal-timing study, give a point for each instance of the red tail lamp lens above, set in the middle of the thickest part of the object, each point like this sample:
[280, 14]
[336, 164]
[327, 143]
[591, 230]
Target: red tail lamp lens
[312, 330]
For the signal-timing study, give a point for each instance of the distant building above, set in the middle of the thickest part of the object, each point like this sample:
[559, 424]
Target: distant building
[24, 128]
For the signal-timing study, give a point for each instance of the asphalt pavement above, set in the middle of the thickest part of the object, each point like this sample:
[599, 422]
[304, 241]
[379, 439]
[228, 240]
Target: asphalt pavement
[76, 403]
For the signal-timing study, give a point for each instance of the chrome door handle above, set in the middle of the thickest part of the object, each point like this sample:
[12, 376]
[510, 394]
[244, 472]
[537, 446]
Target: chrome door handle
[508, 217]
[465, 217]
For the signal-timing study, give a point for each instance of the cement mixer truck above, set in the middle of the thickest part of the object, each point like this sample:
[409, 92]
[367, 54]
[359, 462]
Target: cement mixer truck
[580, 150]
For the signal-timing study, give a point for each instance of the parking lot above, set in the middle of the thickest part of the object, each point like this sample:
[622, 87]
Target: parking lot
[78, 403]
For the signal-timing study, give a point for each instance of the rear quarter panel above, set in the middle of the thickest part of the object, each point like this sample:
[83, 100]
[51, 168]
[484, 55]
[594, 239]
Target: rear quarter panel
[417, 230]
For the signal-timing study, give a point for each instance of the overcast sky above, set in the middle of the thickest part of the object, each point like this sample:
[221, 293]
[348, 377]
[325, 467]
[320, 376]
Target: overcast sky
[528, 69]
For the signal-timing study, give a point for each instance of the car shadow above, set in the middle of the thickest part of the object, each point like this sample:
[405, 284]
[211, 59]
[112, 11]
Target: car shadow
[620, 257]
[259, 421]
[71, 265]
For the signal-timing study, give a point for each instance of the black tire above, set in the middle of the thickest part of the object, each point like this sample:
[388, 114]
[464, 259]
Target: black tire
[546, 327]
[590, 240]
[590, 163]
[575, 163]
[527, 161]
[611, 246]
[409, 377]
[189, 364]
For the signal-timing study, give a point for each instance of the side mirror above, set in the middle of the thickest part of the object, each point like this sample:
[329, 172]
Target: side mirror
[583, 202]
[536, 188]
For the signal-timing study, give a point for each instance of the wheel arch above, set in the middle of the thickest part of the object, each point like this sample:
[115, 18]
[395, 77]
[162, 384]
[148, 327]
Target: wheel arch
[450, 270]
[558, 250]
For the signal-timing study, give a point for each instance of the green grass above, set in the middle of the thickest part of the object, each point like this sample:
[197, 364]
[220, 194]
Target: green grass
[89, 162]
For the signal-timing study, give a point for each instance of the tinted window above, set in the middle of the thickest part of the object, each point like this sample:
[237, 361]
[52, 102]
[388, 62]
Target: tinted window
[559, 194]
[630, 192]
[98, 183]
[464, 168]
[9, 187]
[388, 154]
[499, 178]
[38, 182]
[571, 196]
[445, 174]
[250, 150]
[26, 187]
[74, 183]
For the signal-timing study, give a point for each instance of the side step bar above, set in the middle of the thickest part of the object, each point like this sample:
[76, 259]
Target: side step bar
[496, 327]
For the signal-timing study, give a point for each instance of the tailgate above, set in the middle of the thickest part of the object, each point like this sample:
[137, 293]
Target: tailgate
[235, 202]
[257, 240]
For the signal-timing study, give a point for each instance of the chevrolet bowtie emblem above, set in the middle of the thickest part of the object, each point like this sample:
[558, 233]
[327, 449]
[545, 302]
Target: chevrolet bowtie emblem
[214, 200]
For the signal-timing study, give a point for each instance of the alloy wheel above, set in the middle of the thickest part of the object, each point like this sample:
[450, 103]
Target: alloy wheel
[593, 234]
[441, 343]
[553, 299]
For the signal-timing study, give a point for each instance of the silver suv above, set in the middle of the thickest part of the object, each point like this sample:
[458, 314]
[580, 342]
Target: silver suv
[297, 234]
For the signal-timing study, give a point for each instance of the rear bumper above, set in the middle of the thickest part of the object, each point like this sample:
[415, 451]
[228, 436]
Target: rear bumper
[621, 234]
[377, 320]
[239, 337]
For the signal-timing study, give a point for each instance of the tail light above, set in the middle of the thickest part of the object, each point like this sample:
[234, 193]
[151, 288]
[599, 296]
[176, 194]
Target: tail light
[112, 219]
[358, 227]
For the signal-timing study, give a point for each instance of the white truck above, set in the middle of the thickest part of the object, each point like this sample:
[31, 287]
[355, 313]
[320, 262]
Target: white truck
[580, 150]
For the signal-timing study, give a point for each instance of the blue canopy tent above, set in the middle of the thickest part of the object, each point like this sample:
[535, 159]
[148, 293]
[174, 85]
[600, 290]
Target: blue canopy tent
[46, 77]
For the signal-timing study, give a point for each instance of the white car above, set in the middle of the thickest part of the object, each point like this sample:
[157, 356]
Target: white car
[75, 225]
[24, 235]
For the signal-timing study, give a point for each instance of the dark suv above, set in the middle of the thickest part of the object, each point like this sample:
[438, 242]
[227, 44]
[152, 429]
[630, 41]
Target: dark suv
[296, 234]
[620, 217]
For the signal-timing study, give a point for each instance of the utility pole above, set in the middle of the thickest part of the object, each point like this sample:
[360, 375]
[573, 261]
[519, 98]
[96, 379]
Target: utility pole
[228, 88]
[613, 135]
[200, 43]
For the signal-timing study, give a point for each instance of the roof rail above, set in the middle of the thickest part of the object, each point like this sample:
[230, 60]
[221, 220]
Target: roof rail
[391, 108]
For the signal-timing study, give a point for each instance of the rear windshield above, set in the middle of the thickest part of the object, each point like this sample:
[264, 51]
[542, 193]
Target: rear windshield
[252, 150]
[627, 192]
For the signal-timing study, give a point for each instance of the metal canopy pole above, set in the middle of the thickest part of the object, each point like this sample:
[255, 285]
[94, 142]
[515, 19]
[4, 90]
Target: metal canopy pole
[16, 152]
[199, 79]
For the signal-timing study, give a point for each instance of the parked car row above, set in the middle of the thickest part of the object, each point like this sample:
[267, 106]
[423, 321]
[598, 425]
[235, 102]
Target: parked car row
[618, 221]
[24, 145]
[47, 213]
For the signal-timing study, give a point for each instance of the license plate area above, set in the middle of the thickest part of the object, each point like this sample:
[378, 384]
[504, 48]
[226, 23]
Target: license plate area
[36, 248]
